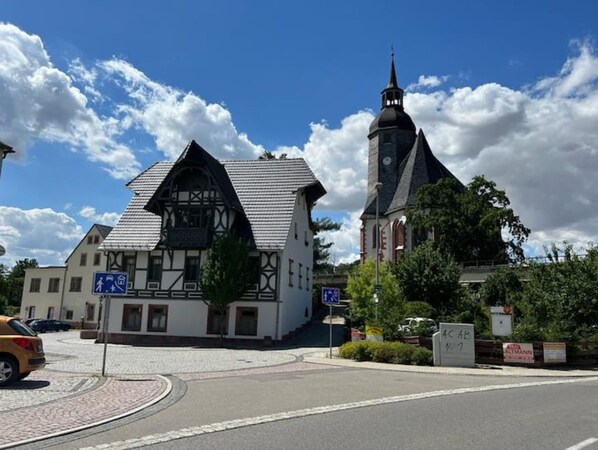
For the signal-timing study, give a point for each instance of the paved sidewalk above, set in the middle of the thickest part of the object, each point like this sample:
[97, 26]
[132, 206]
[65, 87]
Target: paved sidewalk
[69, 396]
[511, 371]
[112, 398]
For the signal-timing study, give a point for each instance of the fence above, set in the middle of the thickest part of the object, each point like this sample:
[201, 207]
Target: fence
[583, 353]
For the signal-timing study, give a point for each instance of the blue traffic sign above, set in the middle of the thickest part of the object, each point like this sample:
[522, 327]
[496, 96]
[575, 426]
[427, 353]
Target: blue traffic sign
[110, 283]
[331, 296]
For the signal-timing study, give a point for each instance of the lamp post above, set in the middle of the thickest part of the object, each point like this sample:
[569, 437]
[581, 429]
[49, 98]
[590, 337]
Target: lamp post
[5, 149]
[378, 186]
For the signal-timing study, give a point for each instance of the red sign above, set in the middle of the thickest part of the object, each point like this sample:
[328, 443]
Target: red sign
[518, 353]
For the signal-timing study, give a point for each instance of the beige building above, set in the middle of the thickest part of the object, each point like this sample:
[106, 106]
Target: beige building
[64, 292]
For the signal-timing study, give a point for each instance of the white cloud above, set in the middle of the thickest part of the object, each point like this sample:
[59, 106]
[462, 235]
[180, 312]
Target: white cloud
[338, 157]
[173, 117]
[427, 82]
[43, 234]
[40, 102]
[107, 218]
[538, 145]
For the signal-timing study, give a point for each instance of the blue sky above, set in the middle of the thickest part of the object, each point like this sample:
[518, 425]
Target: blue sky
[92, 93]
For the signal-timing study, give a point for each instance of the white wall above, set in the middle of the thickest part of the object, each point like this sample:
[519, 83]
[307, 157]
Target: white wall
[43, 299]
[295, 300]
[188, 318]
[76, 301]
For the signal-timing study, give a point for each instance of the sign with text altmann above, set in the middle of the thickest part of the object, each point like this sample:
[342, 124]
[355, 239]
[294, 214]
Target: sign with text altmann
[518, 353]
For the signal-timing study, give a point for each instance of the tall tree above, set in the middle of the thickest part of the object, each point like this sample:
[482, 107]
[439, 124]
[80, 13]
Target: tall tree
[432, 276]
[560, 299]
[321, 247]
[16, 280]
[469, 222]
[266, 154]
[362, 309]
[225, 275]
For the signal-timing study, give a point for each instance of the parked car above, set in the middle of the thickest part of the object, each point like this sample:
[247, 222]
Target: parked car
[21, 350]
[411, 325]
[43, 325]
[29, 321]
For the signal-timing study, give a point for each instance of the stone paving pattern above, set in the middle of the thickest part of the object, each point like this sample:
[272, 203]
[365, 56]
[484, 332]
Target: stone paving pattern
[69, 393]
[116, 396]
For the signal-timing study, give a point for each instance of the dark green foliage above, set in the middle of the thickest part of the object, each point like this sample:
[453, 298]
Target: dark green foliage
[225, 274]
[501, 288]
[11, 284]
[386, 352]
[422, 357]
[321, 247]
[429, 275]
[360, 289]
[468, 223]
[560, 299]
[419, 309]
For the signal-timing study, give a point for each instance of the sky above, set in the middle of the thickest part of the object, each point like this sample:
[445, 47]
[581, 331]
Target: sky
[92, 93]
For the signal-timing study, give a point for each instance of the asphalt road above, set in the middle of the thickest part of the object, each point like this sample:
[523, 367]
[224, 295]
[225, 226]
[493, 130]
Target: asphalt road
[559, 414]
[541, 417]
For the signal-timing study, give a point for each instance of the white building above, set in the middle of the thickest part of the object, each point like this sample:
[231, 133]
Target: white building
[162, 239]
[64, 292]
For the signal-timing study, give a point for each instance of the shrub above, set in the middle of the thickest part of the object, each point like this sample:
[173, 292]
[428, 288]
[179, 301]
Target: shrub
[386, 352]
[422, 357]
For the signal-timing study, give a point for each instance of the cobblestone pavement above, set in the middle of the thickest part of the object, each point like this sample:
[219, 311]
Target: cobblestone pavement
[113, 397]
[69, 394]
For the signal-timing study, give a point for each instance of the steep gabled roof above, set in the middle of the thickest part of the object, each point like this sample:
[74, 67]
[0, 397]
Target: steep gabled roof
[195, 155]
[419, 168]
[266, 191]
[137, 228]
[103, 229]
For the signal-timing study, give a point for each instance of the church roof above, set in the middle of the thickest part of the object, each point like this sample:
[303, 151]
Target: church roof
[419, 168]
[392, 117]
[266, 191]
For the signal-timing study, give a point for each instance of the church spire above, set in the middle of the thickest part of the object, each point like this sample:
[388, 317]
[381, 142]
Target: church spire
[392, 95]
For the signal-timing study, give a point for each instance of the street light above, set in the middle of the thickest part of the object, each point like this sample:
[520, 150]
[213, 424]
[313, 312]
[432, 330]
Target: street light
[5, 149]
[378, 186]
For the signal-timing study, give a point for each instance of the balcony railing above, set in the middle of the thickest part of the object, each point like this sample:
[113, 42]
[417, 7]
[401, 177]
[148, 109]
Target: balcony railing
[188, 237]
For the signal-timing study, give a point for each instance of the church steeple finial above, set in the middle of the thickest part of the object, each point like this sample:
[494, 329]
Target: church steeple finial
[392, 95]
[392, 80]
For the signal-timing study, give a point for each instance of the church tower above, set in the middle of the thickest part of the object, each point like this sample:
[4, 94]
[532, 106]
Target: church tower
[391, 138]
[400, 161]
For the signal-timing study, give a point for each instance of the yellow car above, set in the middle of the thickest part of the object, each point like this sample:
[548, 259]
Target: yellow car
[21, 350]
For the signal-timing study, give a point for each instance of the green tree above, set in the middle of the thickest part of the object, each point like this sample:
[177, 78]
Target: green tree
[225, 275]
[503, 287]
[269, 155]
[321, 247]
[429, 275]
[469, 222]
[360, 289]
[16, 279]
[560, 299]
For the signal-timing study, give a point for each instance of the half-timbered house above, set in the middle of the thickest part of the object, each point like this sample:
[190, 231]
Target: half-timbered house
[178, 209]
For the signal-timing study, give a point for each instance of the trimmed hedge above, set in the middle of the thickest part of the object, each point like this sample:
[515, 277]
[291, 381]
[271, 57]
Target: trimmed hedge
[387, 352]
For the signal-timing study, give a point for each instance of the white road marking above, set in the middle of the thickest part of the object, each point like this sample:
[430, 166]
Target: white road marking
[583, 444]
[239, 423]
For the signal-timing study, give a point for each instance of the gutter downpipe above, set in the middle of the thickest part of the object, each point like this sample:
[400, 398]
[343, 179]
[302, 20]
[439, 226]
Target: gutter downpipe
[66, 268]
[278, 269]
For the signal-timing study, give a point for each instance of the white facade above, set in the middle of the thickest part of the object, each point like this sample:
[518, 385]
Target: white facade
[188, 317]
[73, 301]
[42, 292]
[163, 238]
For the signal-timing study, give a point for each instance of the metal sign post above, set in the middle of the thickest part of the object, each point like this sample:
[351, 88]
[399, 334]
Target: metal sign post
[105, 331]
[106, 284]
[331, 296]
